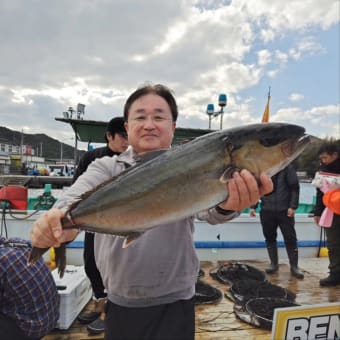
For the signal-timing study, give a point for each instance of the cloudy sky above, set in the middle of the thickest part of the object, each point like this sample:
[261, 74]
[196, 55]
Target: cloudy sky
[58, 53]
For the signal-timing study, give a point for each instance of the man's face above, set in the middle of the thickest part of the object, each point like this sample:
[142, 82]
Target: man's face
[150, 125]
[327, 158]
[118, 143]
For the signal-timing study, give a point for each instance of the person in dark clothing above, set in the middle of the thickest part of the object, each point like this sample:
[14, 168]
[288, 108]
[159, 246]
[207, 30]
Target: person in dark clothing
[116, 139]
[330, 163]
[277, 210]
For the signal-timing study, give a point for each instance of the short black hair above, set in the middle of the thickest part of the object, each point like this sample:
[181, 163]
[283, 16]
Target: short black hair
[329, 148]
[116, 125]
[157, 89]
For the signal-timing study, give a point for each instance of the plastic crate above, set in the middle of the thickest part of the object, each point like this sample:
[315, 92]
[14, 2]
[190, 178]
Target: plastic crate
[75, 291]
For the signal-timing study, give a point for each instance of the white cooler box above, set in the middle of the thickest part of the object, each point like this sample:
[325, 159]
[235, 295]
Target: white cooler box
[75, 292]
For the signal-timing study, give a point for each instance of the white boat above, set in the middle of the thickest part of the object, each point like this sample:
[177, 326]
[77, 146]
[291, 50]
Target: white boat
[242, 239]
[239, 239]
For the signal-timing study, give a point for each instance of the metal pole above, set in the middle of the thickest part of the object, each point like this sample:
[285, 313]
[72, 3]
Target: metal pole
[221, 121]
[75, 150]
[21, 144]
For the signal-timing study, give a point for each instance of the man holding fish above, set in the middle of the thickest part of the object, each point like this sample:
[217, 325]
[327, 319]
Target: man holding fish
[150, 269]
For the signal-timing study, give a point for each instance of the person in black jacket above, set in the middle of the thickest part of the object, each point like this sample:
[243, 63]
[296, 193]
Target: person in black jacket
[116, 139]
[330, 163]
[278, 210]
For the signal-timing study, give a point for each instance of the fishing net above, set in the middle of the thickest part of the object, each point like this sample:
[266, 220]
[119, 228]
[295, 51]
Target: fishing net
[243, 290]
[206, 293]
[260, 311]
[232, 272]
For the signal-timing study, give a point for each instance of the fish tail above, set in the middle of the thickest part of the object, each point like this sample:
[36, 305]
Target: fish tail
[60, 259]
[35, 254]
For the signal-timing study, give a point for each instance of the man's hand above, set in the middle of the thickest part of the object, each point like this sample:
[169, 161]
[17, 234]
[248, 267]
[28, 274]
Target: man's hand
[244, 190]
[47, 230]
[317, 219]
[290, 212]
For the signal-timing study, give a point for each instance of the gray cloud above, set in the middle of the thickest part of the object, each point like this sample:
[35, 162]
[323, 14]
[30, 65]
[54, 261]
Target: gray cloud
[56, 54]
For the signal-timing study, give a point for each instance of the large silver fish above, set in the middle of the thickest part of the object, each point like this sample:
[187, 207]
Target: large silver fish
[184, 180]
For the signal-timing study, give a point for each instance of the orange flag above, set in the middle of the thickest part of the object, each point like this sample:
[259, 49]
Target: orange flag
[265, 116]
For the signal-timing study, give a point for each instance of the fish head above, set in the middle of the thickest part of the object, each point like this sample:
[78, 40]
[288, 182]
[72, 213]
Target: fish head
[265, 148]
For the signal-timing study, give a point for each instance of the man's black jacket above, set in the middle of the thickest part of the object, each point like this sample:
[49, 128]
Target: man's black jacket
[89, 157]
[285, 193]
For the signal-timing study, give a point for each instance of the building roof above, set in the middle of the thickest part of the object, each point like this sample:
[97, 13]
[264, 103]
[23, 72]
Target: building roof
[92, 131]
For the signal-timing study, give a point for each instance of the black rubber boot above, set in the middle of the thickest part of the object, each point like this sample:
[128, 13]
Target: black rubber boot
[332, 280]
[274, 260]
[293, 255]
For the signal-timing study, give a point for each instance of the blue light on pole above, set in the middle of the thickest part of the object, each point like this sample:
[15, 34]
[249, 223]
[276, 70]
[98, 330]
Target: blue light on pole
[210, 109]
[222, 102]
[210, 112]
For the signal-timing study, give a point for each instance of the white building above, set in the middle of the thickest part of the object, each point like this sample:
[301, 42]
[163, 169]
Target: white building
[5, 163]
[14, 160]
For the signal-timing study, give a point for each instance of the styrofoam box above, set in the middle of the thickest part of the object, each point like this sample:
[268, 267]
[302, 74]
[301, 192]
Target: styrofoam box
[75, 292]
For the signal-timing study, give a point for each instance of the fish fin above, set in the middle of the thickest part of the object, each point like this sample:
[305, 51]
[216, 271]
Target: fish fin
[228, 173]
[129, 239]
[139, 159]
[35, 254]
[88, 193]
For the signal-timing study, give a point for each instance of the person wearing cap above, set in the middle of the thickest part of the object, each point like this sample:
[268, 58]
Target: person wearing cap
[330, 163]
[116, 143]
